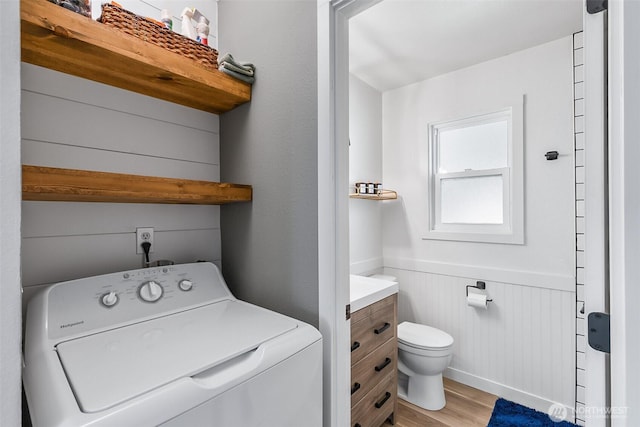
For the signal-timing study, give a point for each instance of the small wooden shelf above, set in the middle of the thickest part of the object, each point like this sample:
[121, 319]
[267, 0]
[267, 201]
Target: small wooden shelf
[71, 185]
[383, 195]
[56, 38]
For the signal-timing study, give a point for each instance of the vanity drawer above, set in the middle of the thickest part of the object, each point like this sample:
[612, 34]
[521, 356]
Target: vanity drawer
[376, 406]
[371, 327]
[371, 370]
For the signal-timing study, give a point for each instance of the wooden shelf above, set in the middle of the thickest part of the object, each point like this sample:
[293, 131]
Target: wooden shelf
[383, 195]
[56, 38]
[70, 185]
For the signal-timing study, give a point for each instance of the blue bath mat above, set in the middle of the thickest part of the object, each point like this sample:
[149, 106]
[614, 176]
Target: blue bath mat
[510, 414]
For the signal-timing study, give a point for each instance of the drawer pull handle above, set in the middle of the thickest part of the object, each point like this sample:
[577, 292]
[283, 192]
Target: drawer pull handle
[383, 328]
[386, 397]
[357, 425]
[355, 345]
[355, 388]
[383, 365]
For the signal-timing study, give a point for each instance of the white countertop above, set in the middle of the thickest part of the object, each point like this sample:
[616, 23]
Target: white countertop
[367, 290]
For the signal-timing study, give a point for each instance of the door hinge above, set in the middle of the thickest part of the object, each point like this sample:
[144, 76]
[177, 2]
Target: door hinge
[348, 311]
[596, 6]
[599, 332]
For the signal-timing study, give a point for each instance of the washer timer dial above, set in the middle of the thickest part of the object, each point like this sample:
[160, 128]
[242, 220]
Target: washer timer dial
[150, 291]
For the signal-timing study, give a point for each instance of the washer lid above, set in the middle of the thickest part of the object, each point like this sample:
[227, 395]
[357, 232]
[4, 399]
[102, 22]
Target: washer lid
[423, 336]
[109, 368]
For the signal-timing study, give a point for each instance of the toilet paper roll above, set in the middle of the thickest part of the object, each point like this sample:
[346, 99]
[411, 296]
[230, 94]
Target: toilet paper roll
[477, 300]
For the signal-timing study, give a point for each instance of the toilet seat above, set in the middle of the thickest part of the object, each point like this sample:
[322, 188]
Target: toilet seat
[423, 337]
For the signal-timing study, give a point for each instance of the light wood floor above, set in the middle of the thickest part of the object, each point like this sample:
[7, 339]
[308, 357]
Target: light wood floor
[466, 407]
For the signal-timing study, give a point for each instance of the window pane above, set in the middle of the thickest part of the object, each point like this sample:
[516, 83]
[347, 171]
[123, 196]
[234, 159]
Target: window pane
[475, 147]
[471, 200]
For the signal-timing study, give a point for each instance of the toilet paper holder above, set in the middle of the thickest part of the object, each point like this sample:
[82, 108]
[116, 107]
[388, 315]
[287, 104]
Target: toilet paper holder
[478, 285]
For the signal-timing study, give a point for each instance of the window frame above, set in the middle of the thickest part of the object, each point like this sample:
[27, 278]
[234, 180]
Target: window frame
[511, 231]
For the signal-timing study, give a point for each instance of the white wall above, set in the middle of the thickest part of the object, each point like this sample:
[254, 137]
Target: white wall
[75, 123]
[543, 74]
[365, 165]
[270, 246]
[10, 195]
[523, 346]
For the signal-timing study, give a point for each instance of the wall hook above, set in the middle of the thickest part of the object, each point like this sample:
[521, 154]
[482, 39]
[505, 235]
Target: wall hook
[551, 155]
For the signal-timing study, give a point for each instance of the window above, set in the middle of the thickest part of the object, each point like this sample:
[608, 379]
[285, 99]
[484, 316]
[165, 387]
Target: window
[475, 178]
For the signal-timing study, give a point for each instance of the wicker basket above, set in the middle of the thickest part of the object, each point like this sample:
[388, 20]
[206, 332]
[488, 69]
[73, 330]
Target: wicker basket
[151, 31]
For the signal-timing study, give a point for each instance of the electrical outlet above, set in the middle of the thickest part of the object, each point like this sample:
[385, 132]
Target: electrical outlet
[143, 234]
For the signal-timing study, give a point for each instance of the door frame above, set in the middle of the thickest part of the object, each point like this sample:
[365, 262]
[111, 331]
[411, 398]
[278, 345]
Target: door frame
[624, 209]
[333, 202]
[612, 379]
[596, 249]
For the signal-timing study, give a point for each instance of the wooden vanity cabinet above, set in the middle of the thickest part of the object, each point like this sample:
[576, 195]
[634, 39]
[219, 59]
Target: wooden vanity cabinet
[374, 362]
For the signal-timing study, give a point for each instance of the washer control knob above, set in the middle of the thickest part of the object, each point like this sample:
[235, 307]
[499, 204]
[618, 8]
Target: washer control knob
[109, 299]
[185, 285]
[150, 291]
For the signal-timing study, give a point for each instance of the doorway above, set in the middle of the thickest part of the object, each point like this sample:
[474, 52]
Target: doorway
[531, 279]
[343, 12]
[623, 54]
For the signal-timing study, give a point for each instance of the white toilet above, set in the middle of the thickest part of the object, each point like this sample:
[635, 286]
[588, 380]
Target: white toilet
[424, 353]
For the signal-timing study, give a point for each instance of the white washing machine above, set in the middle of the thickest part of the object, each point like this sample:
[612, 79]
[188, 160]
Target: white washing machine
[167, 346]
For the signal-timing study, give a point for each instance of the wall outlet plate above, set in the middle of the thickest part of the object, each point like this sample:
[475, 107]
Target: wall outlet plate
[144, 234]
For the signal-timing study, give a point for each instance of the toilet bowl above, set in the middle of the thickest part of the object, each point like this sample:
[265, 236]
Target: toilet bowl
[424, 353]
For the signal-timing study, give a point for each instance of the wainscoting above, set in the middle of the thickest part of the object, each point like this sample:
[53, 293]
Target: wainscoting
[521, 348]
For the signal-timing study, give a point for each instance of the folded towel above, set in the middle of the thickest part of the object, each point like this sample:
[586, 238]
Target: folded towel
[243, 77]
[228, 59]
[232, 67]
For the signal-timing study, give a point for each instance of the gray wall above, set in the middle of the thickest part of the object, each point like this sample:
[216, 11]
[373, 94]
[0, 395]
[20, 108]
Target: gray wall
[10, 194]
[269, 247]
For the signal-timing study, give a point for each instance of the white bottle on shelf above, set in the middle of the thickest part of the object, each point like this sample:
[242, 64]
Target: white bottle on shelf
[187, 27]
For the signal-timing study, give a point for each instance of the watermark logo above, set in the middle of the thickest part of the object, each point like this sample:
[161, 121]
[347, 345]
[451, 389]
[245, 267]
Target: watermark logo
[558, 413]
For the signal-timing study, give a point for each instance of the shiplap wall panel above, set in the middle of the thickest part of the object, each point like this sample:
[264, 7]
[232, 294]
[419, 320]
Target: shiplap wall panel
[50, 219]
[74, 123]
[59, 258]
[61, 121]
[84, 91]
[523, 341]
[72, 157]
